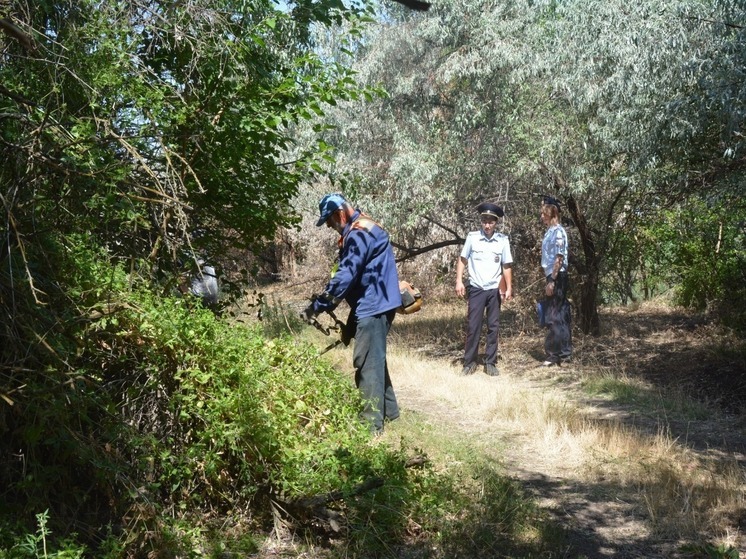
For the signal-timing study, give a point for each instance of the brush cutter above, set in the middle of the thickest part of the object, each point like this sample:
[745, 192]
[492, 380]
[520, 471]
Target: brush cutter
[345, 333]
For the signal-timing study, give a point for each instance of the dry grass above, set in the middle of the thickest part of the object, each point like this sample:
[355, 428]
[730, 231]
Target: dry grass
[621, 441]
[615, 443]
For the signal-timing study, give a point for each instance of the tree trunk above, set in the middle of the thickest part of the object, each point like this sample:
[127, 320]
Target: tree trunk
[589, 320]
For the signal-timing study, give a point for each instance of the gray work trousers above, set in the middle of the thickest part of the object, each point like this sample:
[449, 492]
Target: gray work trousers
[372, 372]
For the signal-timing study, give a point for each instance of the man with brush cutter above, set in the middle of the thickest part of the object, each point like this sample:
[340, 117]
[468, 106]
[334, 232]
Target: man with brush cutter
[366, 277]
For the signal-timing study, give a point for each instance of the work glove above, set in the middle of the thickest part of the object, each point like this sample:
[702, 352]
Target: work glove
[308, 314]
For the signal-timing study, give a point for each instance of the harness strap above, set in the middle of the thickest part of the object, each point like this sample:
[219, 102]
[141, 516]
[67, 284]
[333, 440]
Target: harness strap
[363, 222]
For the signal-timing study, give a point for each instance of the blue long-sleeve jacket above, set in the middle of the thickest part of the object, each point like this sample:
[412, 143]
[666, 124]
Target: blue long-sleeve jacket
[366, 278]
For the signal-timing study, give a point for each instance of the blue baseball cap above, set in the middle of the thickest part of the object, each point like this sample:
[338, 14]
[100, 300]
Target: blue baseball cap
[328, 205]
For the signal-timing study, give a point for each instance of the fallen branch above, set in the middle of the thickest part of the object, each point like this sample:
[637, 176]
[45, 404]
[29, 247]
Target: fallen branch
[318, 500]
[416, 461]
[308, 509]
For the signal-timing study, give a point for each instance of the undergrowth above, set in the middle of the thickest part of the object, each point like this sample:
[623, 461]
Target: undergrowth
[135, 423]
[138, 415]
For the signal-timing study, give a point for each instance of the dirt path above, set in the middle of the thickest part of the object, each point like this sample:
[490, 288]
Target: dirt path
[598, 524]
[601, 517]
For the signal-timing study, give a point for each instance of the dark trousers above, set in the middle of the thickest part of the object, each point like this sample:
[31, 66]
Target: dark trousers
[371, 370]
[558, 316]
[481, 300]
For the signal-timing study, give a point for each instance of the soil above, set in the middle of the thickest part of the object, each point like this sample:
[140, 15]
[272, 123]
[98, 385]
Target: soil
[668, 351]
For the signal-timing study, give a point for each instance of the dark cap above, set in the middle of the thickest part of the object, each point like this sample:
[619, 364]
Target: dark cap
[328, 205]
[550, 201]
[490, 209]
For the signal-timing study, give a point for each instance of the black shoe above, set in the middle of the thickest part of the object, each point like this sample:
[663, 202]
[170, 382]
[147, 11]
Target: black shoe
[491, 370]
[469, 369]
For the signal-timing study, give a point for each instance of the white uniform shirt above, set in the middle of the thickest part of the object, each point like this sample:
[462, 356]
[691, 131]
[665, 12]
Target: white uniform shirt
[555, 242]
[486, 258]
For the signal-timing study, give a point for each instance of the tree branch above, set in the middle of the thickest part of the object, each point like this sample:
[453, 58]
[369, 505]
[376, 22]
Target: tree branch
[338, 495]
[707, 20]
[15, 32]
[412, 252]
[17, 98]
[451, 231]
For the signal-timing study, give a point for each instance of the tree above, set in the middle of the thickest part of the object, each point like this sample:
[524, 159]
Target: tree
[647, 83]
[132, 135]
[610, 105]
[147, 121]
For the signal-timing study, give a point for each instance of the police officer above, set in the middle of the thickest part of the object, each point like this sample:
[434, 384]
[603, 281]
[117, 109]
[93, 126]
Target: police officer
[486, 254]
[367, 279]
[554, 260]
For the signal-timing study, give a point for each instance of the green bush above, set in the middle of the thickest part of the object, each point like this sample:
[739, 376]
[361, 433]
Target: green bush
[700, 250]
[145, 415]
[710, 258]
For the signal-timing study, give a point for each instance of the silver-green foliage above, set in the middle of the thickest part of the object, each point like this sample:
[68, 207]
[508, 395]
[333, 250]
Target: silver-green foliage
[476, 85]
[653, 79]
[622, 105]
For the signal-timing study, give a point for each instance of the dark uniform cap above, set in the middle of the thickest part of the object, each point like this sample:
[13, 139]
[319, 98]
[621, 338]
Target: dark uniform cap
[550, 201]
[490, 209]
[328, 205]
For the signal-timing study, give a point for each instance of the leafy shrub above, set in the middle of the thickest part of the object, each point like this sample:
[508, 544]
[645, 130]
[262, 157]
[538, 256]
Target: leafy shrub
[144, 413]
[700, 251]
[709, 256]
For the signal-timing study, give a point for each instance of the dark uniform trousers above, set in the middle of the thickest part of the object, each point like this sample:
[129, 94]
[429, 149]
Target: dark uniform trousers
[481, 300]
[558, 341]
